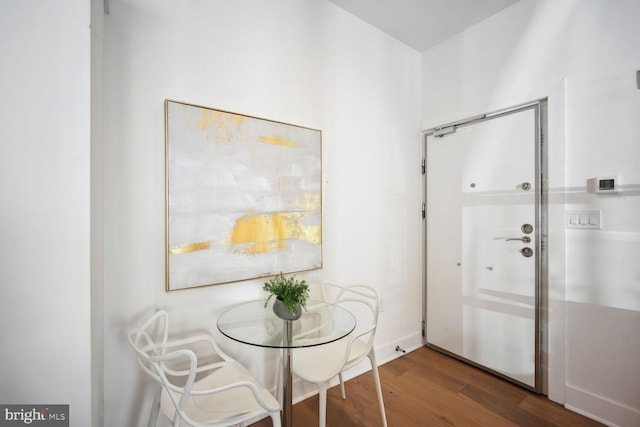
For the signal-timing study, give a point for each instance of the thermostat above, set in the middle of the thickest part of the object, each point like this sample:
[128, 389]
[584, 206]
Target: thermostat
[602, 184]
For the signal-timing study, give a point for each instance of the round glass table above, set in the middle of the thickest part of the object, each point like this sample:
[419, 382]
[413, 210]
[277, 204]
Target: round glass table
[254, 324]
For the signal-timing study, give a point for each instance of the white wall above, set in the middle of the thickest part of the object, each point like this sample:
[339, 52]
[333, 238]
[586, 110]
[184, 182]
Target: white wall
[305, 62]
[97, 207]
[45, 215]
[585, 54]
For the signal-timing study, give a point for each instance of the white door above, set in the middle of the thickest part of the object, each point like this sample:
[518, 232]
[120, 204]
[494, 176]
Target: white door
[483, 243]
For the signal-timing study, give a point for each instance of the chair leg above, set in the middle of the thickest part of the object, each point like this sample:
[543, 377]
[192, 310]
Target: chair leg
[155, 408]
[275, 419]
[322, 410]
[376, 378]
[344, 394]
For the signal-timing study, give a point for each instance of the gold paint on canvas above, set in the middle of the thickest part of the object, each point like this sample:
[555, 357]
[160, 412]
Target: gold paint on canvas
[310, 202]
[259, 248]
[220, 126]
[206, 120]
[270, 231]
[312, 234]
[277, 140]
[190, 247]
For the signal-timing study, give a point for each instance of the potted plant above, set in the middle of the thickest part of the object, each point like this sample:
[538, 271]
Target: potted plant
[291, 296]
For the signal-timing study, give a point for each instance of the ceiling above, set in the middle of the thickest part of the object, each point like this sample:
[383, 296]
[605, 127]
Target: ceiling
[422, 24]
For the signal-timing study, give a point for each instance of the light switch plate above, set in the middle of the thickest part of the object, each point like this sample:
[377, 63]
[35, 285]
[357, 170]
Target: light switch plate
[584, 219]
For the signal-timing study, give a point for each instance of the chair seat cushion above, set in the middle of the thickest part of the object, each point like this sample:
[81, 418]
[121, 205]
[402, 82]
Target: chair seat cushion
[322, 363]
[224, 405]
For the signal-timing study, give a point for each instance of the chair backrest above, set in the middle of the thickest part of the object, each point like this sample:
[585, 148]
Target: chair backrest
[364, 304]
[150, 342]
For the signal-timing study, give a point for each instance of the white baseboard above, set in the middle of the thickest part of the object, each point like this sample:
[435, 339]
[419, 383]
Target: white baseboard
[601, 409]
[388, 352]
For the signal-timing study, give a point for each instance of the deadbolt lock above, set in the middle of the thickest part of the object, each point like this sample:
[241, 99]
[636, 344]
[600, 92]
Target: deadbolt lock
[527, 228]
[526, 186]
[526, 252]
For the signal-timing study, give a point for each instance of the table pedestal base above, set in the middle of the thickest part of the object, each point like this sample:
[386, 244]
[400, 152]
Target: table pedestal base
[288, 378]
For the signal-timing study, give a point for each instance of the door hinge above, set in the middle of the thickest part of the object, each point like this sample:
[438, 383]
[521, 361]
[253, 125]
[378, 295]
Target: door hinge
[423, 329]
[424, 212]
[424, 166]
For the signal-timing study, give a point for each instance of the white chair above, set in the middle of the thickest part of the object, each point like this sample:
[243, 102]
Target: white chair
[220, 392]
[319, 365]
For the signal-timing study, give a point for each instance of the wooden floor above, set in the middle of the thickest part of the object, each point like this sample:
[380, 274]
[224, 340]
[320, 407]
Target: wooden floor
[427, 388]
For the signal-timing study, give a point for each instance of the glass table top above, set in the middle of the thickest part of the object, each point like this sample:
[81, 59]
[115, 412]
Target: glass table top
[253, 323]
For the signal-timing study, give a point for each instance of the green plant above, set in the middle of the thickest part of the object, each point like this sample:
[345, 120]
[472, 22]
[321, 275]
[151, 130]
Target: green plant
[288, 290]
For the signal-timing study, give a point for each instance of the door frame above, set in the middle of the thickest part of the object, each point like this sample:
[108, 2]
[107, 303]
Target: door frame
[540, 107]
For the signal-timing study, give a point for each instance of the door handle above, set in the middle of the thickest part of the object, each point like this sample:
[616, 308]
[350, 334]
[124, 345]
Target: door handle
[524, 239]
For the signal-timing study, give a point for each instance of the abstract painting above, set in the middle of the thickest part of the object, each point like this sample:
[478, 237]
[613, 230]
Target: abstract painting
[243, 197]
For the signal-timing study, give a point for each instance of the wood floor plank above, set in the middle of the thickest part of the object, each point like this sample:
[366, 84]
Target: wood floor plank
[447, 404]
[428, 388]
[555, 414]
